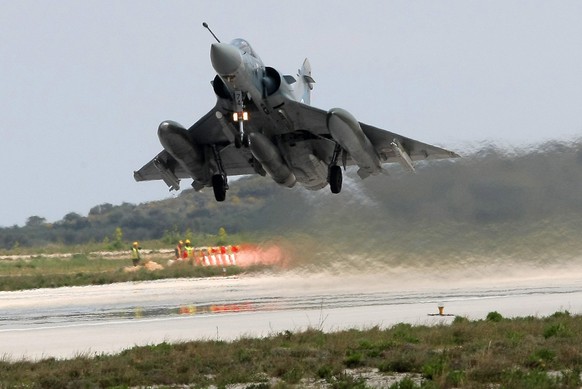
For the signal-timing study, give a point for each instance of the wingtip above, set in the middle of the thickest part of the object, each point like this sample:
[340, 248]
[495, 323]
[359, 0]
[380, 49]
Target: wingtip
[137, 176]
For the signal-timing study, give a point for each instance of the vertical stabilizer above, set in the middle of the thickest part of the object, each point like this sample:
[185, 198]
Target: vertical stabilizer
[306, 80]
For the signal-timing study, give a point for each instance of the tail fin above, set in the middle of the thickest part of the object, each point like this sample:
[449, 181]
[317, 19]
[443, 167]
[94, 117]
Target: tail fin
[307, 81]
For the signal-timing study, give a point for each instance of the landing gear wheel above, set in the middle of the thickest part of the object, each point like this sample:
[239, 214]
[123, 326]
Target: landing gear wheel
[335, 179]
[219, 186]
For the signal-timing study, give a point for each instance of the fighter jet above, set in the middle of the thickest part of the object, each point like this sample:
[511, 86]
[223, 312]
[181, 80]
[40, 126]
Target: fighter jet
[263, 124]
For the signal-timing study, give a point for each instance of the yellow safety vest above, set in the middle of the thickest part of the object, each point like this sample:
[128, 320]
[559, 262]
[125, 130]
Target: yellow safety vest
[135, 253]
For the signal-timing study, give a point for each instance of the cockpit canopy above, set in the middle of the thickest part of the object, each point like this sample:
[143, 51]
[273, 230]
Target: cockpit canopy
[245, 47]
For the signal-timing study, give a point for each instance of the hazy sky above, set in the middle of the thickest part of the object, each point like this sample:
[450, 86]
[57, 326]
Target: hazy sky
[84, 84]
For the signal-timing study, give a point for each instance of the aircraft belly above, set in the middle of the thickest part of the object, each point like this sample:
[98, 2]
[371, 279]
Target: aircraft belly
[309, 170]
[267, 154]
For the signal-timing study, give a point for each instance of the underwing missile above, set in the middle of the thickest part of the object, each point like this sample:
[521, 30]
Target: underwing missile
[403, 157]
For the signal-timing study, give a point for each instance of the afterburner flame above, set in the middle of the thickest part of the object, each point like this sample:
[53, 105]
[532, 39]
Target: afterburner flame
[250, 255]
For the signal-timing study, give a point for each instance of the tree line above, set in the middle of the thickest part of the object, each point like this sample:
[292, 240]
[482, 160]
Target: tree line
[487, 187]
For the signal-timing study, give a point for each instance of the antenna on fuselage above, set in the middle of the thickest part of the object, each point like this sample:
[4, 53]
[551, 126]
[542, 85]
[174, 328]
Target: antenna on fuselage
[205, 25]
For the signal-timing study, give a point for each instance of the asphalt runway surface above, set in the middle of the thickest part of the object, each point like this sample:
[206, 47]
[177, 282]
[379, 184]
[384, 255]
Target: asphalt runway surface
[68, 322]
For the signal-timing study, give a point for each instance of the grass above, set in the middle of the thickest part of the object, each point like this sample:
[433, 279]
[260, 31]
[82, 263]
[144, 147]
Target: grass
[81, 269]
[516, 353]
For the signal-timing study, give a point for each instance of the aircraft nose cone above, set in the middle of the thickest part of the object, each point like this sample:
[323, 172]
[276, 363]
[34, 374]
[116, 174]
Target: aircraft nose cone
[225, 58]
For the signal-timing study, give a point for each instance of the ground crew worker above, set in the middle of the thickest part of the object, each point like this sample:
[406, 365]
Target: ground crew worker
[135, 254]
[188, 250]
[178, 250]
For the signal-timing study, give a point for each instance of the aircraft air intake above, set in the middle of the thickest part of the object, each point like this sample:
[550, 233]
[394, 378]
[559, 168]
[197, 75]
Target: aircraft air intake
[220, 88]
[271, 81]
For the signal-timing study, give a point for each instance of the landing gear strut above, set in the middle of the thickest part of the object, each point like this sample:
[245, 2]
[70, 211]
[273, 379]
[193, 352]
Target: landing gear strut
[240, 116]
[241, 138]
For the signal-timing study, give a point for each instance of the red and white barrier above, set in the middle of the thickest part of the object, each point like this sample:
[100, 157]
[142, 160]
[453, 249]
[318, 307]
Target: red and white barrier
[246, 255]
[217, 256]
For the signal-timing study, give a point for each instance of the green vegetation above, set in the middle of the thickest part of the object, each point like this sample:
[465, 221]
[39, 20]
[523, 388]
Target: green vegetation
[490, 201]
[91, 264]
[509, 353]
[80, 269]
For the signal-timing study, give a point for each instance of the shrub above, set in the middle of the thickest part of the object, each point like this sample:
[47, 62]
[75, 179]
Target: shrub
[494, 317]
[460, 320]
[402, 364]
[558, 329]
[540, 358]
[434, 368]
[559, 315]
[353, 359]
[404, 332]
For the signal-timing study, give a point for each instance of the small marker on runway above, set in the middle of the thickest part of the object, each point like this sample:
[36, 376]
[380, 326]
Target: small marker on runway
[441, 308]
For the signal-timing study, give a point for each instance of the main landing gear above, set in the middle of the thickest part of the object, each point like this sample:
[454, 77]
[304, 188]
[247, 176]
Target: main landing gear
[219, 180]
[335, 179]
[219, 185]
[334, 175]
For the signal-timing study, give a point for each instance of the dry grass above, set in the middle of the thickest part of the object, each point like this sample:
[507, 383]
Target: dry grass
[80, 269]
[518, 353]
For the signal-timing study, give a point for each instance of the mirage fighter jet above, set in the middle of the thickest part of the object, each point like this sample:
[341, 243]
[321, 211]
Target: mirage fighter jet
[262, 123]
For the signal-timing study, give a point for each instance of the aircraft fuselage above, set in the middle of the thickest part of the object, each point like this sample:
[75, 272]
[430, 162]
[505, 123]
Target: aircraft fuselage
[261, 92]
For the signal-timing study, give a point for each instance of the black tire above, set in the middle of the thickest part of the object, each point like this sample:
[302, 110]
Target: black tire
[335, 179]
[219, 187]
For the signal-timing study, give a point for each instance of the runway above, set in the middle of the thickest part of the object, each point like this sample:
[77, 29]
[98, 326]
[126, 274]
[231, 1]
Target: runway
[67, 322]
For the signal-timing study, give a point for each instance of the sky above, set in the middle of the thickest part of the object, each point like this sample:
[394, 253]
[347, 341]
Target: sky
[85, 84]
